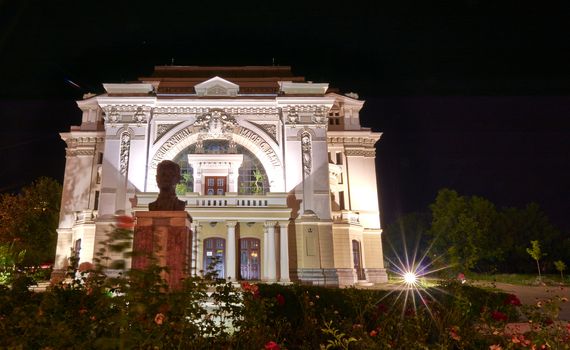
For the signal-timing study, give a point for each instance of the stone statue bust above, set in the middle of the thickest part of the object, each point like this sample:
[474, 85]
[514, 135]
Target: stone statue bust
[167, 176]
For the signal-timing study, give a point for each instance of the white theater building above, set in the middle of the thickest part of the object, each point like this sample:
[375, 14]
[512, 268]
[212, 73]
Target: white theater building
[278, 174]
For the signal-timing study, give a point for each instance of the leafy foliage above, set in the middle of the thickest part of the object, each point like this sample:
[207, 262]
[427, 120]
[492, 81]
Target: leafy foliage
[536, 253]
[462, 229]
[30, 219]
[469, 233]
[9, 259]
[560, 267]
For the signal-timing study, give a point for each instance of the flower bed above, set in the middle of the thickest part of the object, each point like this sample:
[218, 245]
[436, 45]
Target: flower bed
[136, 311]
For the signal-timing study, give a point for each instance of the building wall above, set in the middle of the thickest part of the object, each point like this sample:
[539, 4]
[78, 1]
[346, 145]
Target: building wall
[288, 133]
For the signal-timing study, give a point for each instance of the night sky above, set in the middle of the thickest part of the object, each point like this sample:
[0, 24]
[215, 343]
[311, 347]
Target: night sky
[470, 95]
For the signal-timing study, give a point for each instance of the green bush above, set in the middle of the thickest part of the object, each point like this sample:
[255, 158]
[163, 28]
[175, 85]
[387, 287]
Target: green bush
[136, 310]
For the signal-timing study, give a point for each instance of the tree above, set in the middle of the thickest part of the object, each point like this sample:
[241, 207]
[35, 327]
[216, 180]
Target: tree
[560, 267]
[536, 253]
[517, 227]
[462, 230]
[406, 237]
[9, 259]
[29, 220]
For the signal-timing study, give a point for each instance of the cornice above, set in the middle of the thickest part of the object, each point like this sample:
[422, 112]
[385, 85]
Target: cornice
[358, 138]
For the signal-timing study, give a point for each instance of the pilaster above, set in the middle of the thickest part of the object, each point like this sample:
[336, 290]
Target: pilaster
[284, 251]
[231, 251]
[270, 263]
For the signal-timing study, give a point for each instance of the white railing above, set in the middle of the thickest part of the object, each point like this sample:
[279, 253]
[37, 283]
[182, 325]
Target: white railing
[85, 216]
[230, 199]
[346, 216]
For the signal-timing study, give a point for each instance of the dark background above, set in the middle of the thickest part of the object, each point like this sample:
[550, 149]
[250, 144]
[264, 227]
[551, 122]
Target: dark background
[471, 95]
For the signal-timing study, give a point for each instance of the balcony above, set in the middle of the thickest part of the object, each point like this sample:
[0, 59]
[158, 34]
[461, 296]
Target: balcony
[346, 217]
[232, 199]
[228, 200]
[230, 206]
[85, 217]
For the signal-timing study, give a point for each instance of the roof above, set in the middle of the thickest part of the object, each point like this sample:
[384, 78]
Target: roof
[252, 80]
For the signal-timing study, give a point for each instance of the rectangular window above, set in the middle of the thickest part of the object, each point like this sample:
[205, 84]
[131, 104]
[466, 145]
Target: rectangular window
[338, 158]
[96, 201]
[100, 158]
[341, 200]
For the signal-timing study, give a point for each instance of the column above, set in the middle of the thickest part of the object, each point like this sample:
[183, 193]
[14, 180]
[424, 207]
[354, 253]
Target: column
[270, 262]
[194, 250]
[284, 251]
[231, 251]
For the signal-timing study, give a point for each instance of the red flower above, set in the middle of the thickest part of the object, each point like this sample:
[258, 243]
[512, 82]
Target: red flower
[512, 300]
[499, 316]
[373, 333]
[159, 318]
[251, 288]
[85, 266]
[271, 345]
[125, 222]
[280, 299]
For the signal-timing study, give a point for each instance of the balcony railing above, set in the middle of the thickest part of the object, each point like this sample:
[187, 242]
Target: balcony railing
[85, 216]
[230, 199]
[346, 216]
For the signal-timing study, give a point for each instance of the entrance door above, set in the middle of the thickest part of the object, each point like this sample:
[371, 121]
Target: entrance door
[216, 185]
[215, 252]
[249, 258]
[356, 256]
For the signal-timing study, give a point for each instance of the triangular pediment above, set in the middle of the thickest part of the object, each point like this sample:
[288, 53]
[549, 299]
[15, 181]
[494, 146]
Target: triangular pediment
[216, 86]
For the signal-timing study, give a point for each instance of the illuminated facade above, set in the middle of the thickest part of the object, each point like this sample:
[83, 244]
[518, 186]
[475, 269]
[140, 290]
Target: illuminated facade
[278, 174]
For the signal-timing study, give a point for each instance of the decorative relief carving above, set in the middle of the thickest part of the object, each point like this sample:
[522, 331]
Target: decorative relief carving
[270, 129]
[162, 129]
[248, 134]
[124, 152]
[361, 152]
[292, 116]
[306, 114]
[217, 90]
[228, 110]
[82, 146]
[111, 115]
[71, 152]
[83, 141]
[126, 113]
[349, 140]
[215, 124]
[306, 151]
[319, 117]
[180, 110]
[139, 117]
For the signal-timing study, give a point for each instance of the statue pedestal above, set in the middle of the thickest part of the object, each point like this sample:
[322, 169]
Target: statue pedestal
[165, 236]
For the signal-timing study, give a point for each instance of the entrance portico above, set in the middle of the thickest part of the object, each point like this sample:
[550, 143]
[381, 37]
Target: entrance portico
[224, 224]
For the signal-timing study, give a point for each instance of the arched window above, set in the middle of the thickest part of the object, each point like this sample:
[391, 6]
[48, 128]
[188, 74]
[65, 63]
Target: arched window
[252, 176]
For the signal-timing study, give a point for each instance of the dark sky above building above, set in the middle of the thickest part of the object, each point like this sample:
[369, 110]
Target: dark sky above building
[471, 95]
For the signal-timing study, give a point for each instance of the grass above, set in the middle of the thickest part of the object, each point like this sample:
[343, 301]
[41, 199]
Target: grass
[518, 279]
[511, 278]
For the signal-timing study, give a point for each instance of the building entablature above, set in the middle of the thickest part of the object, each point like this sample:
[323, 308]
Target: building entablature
[359, 138]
